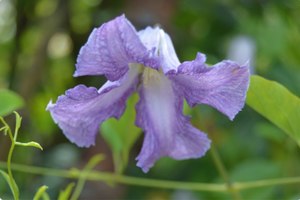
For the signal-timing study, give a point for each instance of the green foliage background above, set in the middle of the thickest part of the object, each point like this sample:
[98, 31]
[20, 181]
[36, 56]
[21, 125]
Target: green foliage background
[39, 43]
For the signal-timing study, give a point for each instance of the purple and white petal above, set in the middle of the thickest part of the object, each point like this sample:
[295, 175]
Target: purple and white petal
[168, 131]
[111, 48]
[169, 61]
[159, 40]
[150, 37]
[80, 112]
[222, 86]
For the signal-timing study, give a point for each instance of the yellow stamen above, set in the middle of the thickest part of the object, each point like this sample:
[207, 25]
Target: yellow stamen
[151, 77]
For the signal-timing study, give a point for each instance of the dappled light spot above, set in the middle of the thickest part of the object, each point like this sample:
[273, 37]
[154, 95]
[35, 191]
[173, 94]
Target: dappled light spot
[60, 45]
[45, 8]
[7, 21]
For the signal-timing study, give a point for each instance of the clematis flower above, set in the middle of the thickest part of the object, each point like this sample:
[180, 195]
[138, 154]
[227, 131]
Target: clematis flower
[146, 62]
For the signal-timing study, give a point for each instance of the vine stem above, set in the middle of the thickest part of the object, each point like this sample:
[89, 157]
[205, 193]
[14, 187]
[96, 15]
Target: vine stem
[109, 177]
[9, 168]
[9, 159]
[218, 162]
[81, 180]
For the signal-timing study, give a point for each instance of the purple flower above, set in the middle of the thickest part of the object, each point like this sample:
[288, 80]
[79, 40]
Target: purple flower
[146, 61]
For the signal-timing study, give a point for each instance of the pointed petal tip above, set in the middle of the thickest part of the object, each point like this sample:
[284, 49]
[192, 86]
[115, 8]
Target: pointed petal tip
[145, 169]
[76, 74]
[247, 63]
[232, 117]
[200, 57]
[50, 105]
[121, 17]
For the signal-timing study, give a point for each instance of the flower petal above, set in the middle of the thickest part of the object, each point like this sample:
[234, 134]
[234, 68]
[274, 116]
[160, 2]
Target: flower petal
[159, 40]
[81, 111]
[150, 38]
[168, 131]
[168, 59]
[111, 48]
[222, 86]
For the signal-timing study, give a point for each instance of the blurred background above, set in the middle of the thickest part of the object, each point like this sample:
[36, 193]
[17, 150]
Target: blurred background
[39, 43]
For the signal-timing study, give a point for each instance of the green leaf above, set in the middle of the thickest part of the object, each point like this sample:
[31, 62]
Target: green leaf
[186, 108]
[269, 131]
[40, 192]
[18, 121]
[121, 135]
[64, 194]
[6, 176]
[18, 125]
[32, 144]
[9, 101]
[5, 127]
[277, 104]
[256, 169]
[252, 170]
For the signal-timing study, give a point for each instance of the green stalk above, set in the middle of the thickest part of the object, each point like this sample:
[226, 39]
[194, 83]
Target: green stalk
[15, 193]
[264, 183]
[109, 177]
[112, 177]
[9, 170]
[218, 162]
[84, 173]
